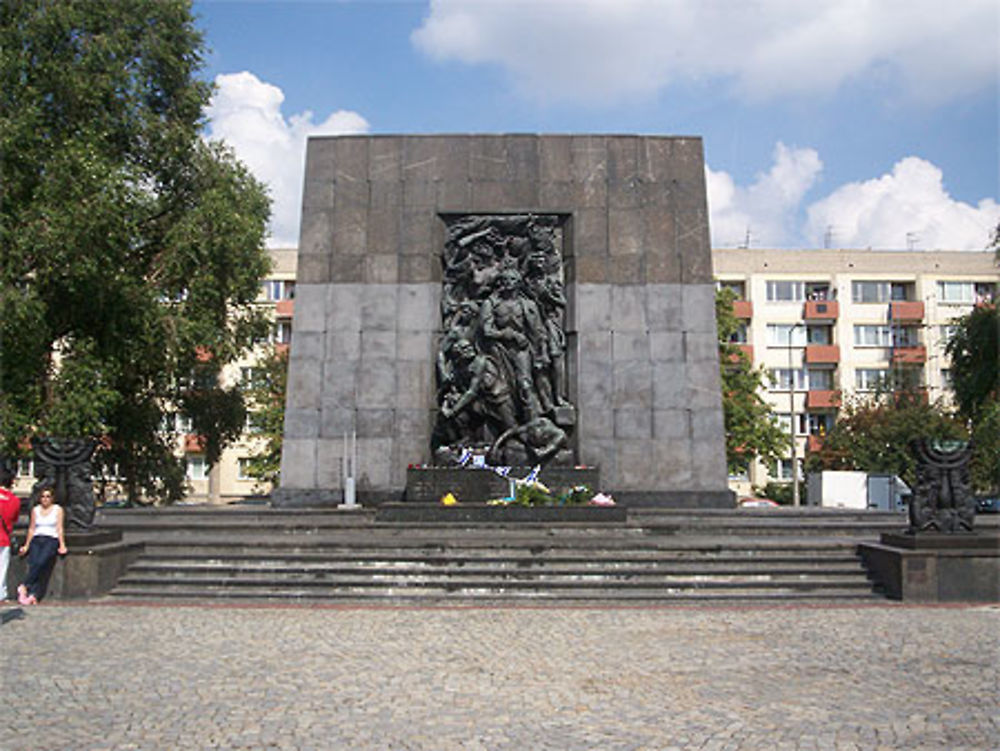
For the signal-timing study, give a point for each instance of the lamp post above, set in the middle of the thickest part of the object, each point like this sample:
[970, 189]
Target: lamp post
[796, 501]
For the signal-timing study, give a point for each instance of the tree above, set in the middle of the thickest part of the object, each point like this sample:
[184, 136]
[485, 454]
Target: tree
[267, 405]
[132, 250]
[974, 350]
[751, 429]
[873, 434]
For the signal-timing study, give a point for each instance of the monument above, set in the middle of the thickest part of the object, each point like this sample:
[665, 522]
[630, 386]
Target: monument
[533, 299]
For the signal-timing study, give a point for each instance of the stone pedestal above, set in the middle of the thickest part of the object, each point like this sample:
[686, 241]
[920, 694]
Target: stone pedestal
[936, 567]
[95, 562]
[472, 485]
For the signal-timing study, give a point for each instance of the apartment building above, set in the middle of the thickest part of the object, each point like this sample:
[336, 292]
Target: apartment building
[826, 324]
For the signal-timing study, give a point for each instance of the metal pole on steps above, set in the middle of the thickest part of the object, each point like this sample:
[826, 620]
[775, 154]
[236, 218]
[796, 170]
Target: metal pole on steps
[350, 464]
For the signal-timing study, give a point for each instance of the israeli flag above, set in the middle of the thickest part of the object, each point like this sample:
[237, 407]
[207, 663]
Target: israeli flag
[502, 471]
[533, 475]
[465, 457]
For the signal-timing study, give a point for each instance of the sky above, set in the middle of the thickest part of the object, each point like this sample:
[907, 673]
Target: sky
[827, 123]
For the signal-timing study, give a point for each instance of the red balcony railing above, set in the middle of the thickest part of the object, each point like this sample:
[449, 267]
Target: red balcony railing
[906, 311]
[743, 309]
[822, 354]
[909, 355]
[284, 308]
[194, 443]
[821, 310]
[822, 399]
[814, 443]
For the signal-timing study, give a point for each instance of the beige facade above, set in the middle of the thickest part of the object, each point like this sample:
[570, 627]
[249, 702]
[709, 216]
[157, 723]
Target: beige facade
[833, 324]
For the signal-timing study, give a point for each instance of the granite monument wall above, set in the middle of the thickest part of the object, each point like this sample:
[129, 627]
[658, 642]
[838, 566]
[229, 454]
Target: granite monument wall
[640, 319]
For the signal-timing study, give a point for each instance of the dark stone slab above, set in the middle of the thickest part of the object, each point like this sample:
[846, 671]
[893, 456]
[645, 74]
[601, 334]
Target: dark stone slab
[678, 499]
[481, 513]
[472, 485]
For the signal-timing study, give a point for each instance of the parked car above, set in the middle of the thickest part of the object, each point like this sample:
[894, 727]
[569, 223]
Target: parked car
[988, 504]
[749, 502]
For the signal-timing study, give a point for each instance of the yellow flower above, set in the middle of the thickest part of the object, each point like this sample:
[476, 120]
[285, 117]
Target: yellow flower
[449, 500]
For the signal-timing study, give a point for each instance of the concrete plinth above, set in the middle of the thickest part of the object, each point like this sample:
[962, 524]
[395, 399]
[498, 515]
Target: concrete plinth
[92, 567]
[934, 567]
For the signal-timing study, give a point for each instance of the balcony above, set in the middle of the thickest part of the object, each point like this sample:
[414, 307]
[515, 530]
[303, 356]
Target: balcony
[906, 311]
[822, 354]
[743, 309]
[284, 308]
[814, 444]
[909, 355]
[822, 399]
[816, 311]
[194, 443]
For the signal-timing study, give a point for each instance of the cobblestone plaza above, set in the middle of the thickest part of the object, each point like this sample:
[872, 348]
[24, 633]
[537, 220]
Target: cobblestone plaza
[103, 676]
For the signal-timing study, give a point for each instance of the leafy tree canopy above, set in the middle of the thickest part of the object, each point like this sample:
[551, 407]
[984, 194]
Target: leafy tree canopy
[130, 249]
[267, 403]
[974, 349]
[873, 434]
[751, 430]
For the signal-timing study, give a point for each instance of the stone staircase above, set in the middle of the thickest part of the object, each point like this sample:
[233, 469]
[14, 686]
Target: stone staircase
[653, 555]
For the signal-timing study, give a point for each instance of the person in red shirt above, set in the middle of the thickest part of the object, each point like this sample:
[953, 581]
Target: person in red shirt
[10, 509]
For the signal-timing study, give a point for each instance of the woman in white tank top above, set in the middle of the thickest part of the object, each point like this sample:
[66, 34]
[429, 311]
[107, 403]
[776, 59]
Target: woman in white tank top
[46, 539]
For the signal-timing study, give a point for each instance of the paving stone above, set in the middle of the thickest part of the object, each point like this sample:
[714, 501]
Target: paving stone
[804, 678]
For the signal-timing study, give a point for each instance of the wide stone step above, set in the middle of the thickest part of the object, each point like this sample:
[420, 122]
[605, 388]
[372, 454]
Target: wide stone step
[166, 557]
[511, 578]
[488, 596]
[451, 562]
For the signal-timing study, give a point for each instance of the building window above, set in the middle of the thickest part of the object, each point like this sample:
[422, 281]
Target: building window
[818, 291]
[278, 289]
[738, 288]
[870, 379]
[25, 468]
[197, 469]
[243, 469]
[819, 334]
[956, 293]
[740, 335]
[878, 292]
[183, 424]
[872, 336]
[815, 423]
[282, 332]
[820, 380]
[786, 334]
[781, 379]
[785, 291]
[782, 469]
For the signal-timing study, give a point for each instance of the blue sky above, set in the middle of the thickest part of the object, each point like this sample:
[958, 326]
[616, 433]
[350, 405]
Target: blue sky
[848, 122]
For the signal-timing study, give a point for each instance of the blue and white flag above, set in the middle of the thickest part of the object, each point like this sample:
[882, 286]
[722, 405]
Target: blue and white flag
[465, 458]
[533, 475]
[502, 471]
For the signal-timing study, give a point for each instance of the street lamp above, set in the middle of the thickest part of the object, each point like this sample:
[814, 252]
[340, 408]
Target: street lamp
[796, 501]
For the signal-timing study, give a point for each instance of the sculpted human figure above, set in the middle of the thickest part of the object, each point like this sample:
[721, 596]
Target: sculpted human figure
[513, 330]
[479, 389]
[547, 290]
[542, 438]
[462, 325]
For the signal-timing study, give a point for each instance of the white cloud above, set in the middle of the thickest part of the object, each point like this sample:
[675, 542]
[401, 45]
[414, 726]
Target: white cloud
[907, 208]
[766, 209]
[246, 113]
[598, 51]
